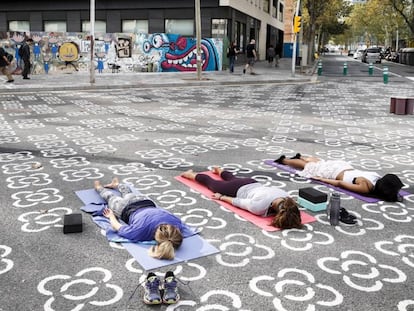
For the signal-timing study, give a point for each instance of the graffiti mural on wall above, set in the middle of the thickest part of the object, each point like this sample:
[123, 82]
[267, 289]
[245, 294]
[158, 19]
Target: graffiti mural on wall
[54, 52]
[179, 53]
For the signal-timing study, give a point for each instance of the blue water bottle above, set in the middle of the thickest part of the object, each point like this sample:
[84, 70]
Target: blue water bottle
[334, 208]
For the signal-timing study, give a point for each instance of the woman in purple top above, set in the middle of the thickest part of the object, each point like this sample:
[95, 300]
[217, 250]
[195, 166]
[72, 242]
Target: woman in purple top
[142, 219]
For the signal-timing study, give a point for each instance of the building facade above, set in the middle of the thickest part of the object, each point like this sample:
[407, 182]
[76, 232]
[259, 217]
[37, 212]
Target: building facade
[232, 20]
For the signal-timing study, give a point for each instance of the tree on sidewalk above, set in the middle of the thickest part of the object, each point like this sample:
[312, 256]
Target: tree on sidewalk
[405, 8]
[322, 19]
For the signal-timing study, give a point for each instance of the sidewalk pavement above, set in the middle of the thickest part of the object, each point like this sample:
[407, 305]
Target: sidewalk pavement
[81, 80]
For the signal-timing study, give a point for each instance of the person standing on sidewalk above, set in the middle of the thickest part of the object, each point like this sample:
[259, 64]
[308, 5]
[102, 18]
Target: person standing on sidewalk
[231, 54]
[251, 56]
[270, 54]
[24, 53]
[4, 62]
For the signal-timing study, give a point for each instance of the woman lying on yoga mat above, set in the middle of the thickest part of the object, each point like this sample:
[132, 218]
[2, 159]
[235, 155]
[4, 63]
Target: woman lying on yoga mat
[250, 195]
[144, 221]
[341, 174]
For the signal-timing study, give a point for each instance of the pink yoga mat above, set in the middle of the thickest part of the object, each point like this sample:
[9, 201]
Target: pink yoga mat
[261, 222]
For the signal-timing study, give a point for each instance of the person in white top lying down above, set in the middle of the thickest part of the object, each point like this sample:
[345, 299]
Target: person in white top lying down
[249, 194]
[341, 174]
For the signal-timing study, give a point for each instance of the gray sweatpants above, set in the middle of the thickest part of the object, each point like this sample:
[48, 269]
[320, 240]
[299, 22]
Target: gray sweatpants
[117, 203]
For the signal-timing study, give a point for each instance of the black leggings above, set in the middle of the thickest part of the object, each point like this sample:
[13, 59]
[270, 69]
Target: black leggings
[228, 186]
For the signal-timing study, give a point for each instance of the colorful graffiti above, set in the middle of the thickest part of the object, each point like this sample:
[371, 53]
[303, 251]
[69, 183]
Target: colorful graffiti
[53, 52]
[178, 53]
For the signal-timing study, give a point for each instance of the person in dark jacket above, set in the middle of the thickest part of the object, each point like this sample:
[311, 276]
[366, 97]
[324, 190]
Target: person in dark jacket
[251, 57]
[231, 54]
[4, 62]
[25, 55]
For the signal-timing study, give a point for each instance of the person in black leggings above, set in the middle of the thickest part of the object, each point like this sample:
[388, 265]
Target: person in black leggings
[248, 194]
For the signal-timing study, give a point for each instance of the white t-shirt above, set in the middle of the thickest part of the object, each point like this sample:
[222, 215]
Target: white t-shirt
[256, 198]
[371, 176]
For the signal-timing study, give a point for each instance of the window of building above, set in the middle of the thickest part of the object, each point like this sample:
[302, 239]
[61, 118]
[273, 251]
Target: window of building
[219, 28]
[100, 26]
[55, 26]
[280, 12]
[135, 26]
[274, 8]
[183, 27]
[266, 6]
[19, 26]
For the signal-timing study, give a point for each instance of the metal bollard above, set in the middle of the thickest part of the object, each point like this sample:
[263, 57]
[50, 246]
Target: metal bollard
[370, 69]
[385, 75]
[319, 67]
[345, 71]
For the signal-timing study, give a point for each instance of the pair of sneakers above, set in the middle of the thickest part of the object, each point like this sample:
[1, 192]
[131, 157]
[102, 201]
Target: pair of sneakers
[157, 293]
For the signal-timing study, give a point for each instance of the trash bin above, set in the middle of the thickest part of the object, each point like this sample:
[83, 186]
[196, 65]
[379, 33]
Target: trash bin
[404, 59]
[409, 56]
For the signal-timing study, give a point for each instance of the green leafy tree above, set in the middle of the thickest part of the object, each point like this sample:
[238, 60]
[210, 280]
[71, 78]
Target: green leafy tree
[369, 26]
[323, 18]
[405, 9]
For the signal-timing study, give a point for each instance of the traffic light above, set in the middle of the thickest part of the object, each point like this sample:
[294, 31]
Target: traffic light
[297, 23]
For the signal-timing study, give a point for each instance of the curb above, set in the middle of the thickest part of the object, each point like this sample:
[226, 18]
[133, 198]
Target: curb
[184, 83]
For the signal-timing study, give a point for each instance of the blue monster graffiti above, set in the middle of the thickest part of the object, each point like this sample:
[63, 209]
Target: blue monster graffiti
[178, 53]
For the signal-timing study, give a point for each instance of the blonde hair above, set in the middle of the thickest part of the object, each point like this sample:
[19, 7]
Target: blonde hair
[169, 238]
[288, 215]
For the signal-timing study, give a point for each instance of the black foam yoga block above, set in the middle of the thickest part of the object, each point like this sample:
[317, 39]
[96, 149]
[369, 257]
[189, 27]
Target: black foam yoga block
[72, 223]
[313, 195]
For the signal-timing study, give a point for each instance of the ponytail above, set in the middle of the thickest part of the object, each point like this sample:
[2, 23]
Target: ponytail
[169, 238]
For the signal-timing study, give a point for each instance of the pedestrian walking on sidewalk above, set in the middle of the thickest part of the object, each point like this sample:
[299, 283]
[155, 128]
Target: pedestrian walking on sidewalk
[270, 54]
[4, 62]
[24, 53]
[251, 57]
[231, 54]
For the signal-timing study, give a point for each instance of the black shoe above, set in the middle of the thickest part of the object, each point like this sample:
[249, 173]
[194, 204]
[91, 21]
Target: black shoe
[244, 71]
[10, 81]
[344, 213]
[26, 78]
[297, 156]
[348, 220]
[280, 159]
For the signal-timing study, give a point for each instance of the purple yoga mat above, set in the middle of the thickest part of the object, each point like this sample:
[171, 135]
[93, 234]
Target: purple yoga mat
[353, 194]
[192, 247]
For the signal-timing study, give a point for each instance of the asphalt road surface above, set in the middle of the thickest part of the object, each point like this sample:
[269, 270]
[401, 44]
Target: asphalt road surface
[55, 143]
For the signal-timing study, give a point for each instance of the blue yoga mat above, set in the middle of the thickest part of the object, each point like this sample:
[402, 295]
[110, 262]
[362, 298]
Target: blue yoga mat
[192, 247]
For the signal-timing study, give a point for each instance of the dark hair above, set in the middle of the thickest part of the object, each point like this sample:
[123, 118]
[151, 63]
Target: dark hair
[288, 215]
[388, 187]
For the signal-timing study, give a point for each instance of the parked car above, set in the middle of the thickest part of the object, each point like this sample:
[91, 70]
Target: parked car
[358, 54]
[371, 55]
[351, 52]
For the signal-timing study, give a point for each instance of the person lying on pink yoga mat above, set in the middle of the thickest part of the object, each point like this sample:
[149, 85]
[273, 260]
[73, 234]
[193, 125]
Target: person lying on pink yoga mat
[341, 174]
[249, 194]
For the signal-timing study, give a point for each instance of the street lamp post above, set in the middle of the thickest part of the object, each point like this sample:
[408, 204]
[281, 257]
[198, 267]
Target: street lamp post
[92, 38]
[295, 39]
[198, 35]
